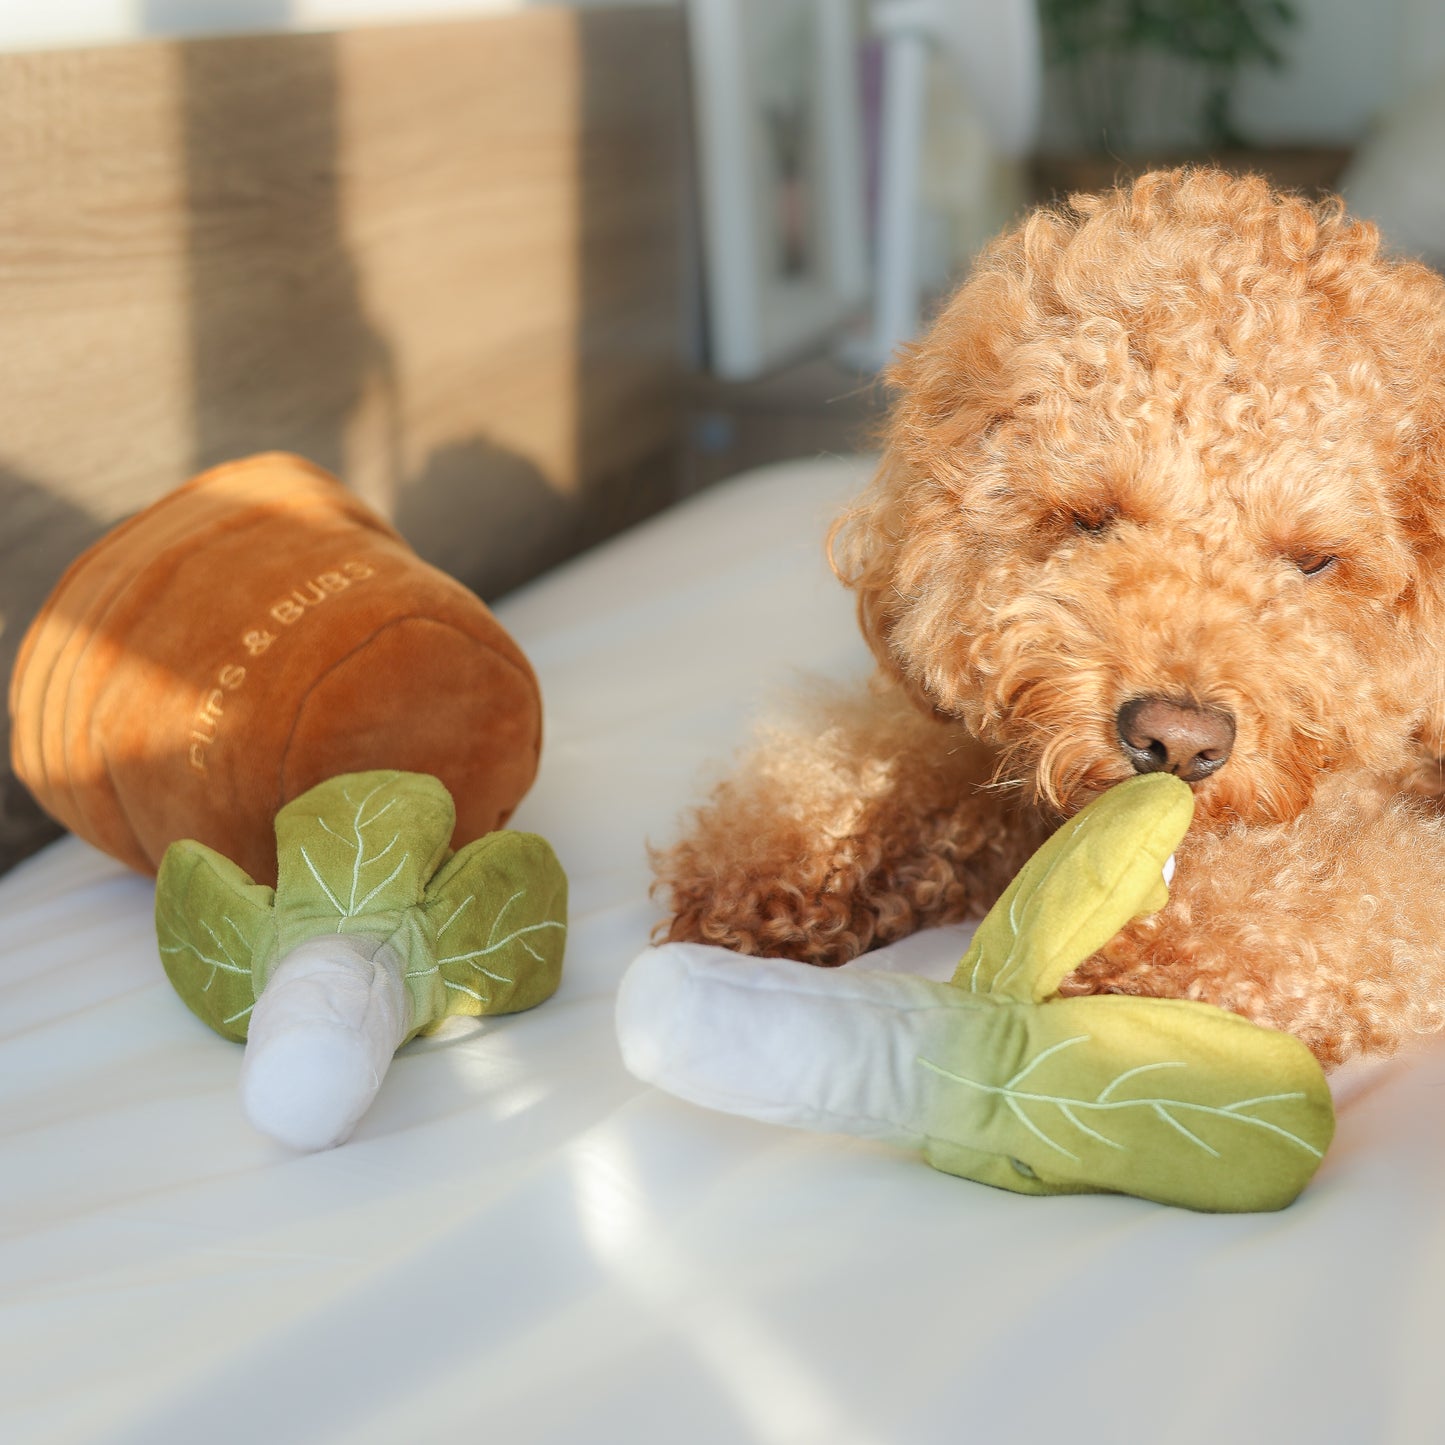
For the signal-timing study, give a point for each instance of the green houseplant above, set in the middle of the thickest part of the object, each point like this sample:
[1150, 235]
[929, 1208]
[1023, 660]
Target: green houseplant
[1119, 56]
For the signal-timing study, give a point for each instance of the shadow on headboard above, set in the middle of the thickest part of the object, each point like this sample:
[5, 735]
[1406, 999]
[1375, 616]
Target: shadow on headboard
[446, 261]
[442, 260]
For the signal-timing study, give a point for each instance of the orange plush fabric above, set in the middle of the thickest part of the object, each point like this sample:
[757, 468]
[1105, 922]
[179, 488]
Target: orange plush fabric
[253, 633]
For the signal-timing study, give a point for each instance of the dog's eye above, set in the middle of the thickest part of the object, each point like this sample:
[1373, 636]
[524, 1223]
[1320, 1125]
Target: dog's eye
[1094, 522]
[1312, 563]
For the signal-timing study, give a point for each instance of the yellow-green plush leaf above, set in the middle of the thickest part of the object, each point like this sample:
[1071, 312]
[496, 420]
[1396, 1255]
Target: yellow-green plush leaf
[495, 920]
[1166, 1099]
[1099, 871]
[356, 852]
[211, 922]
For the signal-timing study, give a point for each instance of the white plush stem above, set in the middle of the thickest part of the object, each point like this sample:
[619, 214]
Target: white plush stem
[322, 1036]
[825, 1049]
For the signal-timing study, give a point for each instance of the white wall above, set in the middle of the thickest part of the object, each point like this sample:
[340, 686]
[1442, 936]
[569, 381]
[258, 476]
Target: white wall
[1422, 42]
[1344, 60]
[31, 24]
[1347, 62]
[1350, 60]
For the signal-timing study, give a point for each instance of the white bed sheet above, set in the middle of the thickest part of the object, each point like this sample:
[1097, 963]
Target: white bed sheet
[522, 1244]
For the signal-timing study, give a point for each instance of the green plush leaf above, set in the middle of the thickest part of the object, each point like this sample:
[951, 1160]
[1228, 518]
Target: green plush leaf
[1163, 1098]
[360, 854]
[211, 923]
[1166, 1099]
[1098, 872]
[354, 853]
[493, 930]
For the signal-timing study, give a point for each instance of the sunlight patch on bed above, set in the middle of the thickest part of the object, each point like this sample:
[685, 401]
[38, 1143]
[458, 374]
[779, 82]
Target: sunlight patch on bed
[776, 1393]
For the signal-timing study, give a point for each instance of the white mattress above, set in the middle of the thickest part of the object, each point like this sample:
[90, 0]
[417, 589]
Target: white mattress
[522, 1244]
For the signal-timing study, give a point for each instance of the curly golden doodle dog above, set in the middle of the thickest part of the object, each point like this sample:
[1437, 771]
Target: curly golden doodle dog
[1164, 488]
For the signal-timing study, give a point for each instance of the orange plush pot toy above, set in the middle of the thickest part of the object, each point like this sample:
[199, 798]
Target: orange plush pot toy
[194, 679]
[251, 634]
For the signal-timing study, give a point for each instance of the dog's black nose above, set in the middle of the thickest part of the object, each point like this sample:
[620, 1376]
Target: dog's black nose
[1162, 736]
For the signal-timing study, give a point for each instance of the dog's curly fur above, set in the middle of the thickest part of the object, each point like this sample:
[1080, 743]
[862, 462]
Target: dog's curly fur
[1182, 440]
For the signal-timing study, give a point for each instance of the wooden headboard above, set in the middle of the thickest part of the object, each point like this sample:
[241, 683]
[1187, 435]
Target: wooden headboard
[446, 261]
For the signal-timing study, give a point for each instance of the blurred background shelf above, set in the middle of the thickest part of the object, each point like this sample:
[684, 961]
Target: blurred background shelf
[816, 406]
[1313, 170]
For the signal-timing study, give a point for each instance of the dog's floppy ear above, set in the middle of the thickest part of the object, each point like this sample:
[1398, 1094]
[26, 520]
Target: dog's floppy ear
[897, 547]
[900, 546]
[1415, 324]
[863, 548]
[892, 547]
[1422, 513]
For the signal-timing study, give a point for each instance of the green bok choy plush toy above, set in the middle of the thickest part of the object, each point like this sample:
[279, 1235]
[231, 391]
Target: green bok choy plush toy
[375, 932]
[994, 1076]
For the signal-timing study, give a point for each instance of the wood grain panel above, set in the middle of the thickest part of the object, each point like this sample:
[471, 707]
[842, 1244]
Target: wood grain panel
[94, 363]
[444, 260]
